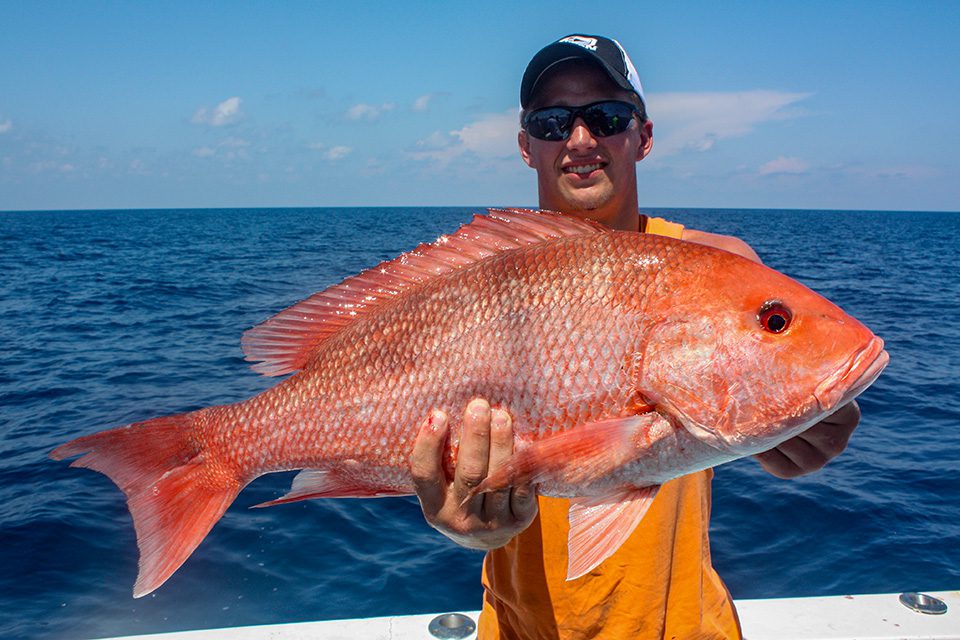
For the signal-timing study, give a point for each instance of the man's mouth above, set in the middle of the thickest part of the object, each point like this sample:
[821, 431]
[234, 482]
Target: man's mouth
[583, 169]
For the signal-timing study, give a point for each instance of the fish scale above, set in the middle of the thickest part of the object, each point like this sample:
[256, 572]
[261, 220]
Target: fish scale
[624, 360]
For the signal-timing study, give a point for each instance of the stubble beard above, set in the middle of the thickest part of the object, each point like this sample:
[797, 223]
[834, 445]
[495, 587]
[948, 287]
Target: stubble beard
[591, 200]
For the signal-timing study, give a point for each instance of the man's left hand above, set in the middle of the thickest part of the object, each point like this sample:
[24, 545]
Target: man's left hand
[815, 447]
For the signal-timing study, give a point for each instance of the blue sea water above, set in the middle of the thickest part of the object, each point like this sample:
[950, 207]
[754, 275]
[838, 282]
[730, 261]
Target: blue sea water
[107, 317]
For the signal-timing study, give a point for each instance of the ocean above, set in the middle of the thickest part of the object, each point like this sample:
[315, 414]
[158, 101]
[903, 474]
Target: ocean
[107, 317]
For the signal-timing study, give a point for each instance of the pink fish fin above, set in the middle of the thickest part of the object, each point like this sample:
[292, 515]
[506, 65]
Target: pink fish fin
[174, 495]
[576, 456]
[286, 342]
[599, 525]
[321, 483]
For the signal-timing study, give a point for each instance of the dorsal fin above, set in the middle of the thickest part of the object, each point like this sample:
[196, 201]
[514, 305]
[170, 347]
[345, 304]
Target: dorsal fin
[284, 343]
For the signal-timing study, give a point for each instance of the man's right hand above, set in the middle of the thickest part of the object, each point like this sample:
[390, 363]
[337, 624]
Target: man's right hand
[488, 520]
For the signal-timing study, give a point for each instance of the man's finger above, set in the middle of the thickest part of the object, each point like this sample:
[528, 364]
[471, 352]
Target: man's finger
[832, 434]
[426, 462]
[802, 454]
[848, 416]
[523, 504]
[829, 439]
[496, 504]
[474, 452]
[778, 464]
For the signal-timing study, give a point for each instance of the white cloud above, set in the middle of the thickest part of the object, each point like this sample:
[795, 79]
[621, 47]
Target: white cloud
[6, 125]
[336, 153]
[229, 148]
[685, 122]
[421, 103]
[138, 167]
[435, 140]
[55, 166]
[365, 111]
[491, 137]
[783, 165]
[227, 112]
[234, 143]
[333, 153]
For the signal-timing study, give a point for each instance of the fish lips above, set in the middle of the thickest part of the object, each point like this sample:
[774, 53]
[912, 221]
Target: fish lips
[850, 381]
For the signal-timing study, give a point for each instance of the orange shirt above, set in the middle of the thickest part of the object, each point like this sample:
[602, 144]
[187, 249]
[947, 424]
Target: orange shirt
[659, 584]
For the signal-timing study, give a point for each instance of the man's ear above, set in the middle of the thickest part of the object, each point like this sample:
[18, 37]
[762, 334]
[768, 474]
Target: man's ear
[646, 140]
[523, 141]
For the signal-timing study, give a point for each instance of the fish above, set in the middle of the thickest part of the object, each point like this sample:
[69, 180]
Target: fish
[625, 360]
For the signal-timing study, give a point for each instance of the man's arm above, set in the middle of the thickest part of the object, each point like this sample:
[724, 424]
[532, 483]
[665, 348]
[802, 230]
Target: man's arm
[821, 443]
[488, 520]
[728, 243]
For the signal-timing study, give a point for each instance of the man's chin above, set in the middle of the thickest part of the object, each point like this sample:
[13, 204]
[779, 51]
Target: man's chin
[589, 205]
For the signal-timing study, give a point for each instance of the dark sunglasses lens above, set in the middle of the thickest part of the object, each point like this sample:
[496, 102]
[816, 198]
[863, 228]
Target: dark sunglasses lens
[608, 118]
[549, 124]
[602, 118]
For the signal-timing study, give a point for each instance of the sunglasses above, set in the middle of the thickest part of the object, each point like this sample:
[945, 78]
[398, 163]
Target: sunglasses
[605, 118]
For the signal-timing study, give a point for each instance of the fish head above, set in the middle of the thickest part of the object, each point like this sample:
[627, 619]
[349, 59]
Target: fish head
[744, 357]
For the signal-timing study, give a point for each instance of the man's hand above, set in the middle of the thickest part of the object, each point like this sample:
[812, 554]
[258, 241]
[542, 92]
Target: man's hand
[488, 520]
[815, 447]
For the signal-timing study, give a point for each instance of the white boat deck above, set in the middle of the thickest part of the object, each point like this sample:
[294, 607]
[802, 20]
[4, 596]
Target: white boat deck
[860, 617]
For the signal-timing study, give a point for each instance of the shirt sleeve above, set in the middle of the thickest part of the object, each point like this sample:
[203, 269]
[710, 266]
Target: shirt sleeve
[661, 227]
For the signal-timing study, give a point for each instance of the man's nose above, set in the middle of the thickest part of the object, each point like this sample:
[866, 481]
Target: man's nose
[580, 136]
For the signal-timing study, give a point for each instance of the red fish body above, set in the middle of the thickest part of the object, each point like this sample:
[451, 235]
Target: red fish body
[624, 359]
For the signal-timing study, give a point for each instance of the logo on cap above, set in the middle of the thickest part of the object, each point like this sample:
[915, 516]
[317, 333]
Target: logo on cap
[583, 41]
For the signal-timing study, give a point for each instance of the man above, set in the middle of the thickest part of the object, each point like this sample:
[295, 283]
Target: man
[583, 129]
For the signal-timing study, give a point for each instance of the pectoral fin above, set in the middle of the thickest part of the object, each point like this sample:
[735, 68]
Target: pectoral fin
[577, 456]
[599, 525]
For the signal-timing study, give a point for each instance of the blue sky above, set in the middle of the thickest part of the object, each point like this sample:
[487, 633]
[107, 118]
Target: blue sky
[846, 105]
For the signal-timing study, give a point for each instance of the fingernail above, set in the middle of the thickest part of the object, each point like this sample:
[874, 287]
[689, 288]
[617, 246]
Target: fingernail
[500, 418]
[479, 408]
[437, 420]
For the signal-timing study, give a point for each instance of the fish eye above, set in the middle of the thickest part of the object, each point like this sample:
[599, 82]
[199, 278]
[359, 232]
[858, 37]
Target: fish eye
[774, 316]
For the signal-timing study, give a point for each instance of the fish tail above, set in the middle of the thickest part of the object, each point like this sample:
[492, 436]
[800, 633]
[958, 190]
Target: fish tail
[174, 493]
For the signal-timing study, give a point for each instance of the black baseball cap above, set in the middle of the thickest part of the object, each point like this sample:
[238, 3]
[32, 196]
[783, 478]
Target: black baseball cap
[601, 50]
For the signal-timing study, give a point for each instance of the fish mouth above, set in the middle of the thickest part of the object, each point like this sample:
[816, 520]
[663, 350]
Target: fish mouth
[850, 381]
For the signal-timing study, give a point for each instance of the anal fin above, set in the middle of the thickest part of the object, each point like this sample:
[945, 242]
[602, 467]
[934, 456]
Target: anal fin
[323, 483]
[600, 525]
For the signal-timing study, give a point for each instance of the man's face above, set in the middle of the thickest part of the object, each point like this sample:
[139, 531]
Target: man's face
[587, 175]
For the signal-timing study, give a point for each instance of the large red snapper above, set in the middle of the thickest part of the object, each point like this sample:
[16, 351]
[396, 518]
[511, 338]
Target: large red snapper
[625, 360]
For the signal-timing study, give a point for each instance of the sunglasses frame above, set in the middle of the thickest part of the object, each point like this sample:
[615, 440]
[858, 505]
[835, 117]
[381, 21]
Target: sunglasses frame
[580, 112]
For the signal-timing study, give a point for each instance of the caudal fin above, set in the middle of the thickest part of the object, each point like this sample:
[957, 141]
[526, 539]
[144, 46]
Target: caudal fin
[173, 493]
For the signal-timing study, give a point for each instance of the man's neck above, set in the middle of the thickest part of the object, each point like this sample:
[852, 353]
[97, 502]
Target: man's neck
[626, 220]
[623, 219]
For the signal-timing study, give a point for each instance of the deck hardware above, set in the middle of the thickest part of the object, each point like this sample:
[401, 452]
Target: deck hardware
[452, 625]
[923, 603]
